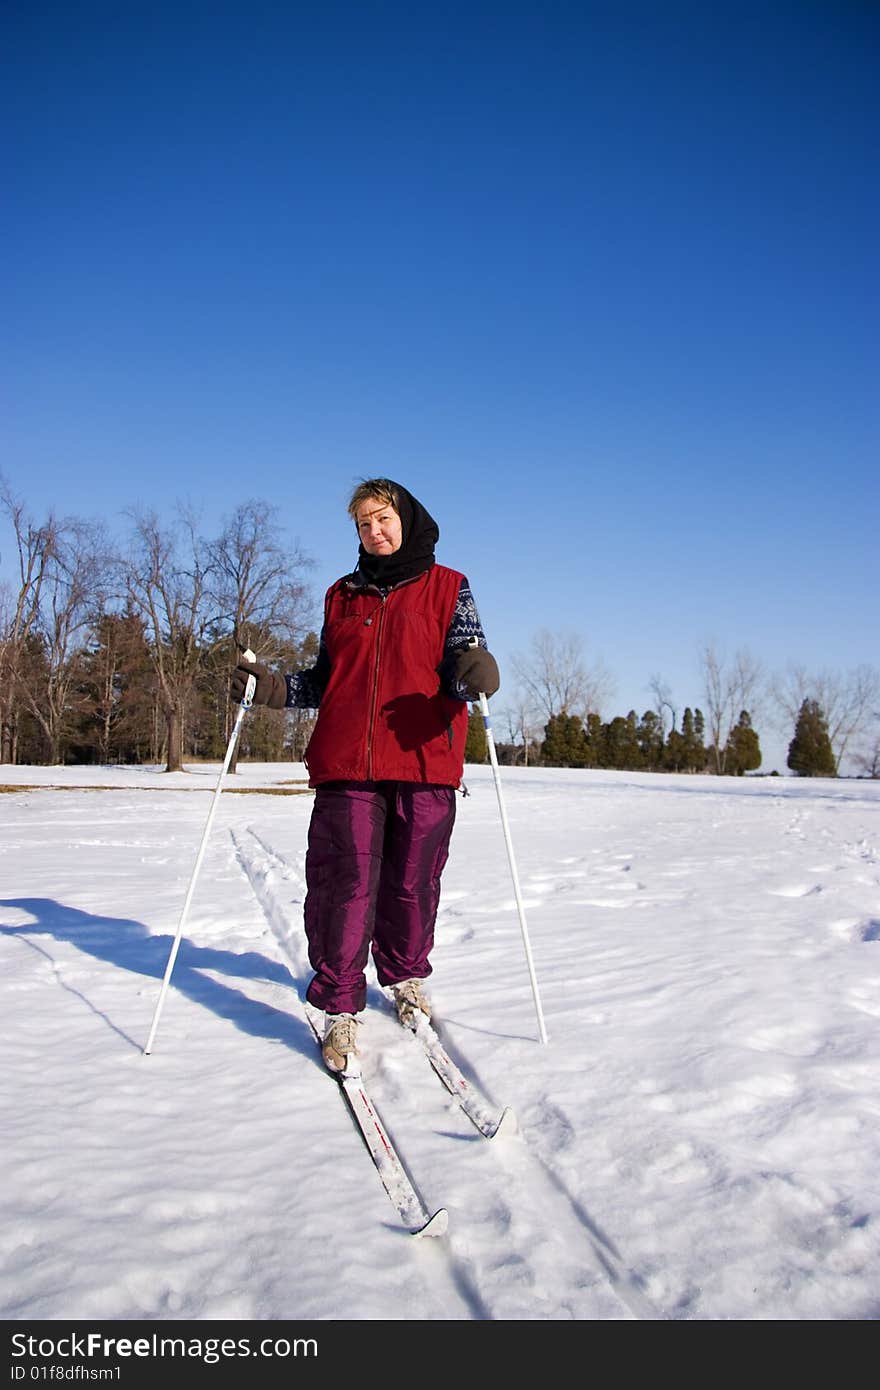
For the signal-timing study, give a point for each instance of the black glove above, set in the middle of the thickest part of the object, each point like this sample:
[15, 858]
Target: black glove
[271, 689]
[476, 670]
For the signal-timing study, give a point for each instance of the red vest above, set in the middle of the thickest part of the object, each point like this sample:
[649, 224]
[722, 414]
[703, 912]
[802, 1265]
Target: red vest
[382, 715]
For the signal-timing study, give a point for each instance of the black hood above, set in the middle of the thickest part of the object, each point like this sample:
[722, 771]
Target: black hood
[416, 554]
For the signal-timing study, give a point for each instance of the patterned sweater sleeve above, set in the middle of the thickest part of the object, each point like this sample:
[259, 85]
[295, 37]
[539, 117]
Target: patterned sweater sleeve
[464, 626]
[305, 688]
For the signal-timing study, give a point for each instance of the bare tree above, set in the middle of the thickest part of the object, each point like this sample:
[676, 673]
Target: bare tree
[167, 573]
[663, 701]
[555, 677]
[868, 758]
[71, 596]
[521, 726]
[258, 591]
[730, 687]
[848, 700]
[257, 580]
[35, 548]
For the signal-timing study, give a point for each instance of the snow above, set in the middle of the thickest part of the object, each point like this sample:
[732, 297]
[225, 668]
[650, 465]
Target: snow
[699, 1139]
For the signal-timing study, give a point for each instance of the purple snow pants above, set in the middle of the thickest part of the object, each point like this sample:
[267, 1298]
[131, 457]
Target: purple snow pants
[375, 856]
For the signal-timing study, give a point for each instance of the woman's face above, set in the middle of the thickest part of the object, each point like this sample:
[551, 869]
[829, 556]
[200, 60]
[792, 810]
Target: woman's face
[379, 527]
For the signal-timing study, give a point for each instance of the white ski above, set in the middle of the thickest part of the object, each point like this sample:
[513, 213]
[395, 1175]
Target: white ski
[484, 1117]
[412, 1211]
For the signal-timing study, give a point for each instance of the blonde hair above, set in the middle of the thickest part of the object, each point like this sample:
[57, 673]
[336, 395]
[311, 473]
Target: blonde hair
[381, 488]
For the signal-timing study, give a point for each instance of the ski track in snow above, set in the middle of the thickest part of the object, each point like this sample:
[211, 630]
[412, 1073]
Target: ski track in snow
[520, 1190]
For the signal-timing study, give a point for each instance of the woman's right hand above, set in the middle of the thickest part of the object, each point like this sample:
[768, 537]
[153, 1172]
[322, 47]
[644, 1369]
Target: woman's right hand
[271, 689]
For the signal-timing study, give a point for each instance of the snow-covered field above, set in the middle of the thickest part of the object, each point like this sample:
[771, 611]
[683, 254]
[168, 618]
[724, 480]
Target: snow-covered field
[700, 1139]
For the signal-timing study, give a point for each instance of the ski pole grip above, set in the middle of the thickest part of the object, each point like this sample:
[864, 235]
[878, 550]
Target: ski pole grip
[482, 701]
[248, 698]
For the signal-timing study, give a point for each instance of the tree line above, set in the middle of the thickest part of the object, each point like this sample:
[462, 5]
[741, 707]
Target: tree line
[122, 654]
[554, 716]
[634, 744]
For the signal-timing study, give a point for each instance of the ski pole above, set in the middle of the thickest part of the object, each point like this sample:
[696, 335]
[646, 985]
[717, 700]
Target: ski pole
[493, 758]
[246, 703]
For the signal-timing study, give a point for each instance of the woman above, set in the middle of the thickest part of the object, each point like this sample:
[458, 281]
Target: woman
[402, 652]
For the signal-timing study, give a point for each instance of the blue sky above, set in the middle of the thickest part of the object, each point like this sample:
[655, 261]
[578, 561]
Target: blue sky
[598, 282]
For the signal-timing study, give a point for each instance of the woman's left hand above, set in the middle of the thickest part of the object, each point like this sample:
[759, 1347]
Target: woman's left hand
[476, 670]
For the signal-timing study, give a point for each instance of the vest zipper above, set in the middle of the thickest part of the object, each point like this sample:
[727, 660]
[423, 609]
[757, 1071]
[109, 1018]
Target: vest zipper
[375, 695]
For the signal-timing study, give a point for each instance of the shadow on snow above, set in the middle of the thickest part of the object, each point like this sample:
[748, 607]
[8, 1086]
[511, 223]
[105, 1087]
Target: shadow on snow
[128, 945]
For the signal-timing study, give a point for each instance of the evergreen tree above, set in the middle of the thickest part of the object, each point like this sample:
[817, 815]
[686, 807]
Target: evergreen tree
[476, 748]
[650, 739]
[675, 752]
[694, 752]
[29, 742]
[743, 751]
[810, 753]
[594, 733]
[118, 689]
[622, 748]
[635, 755]
[565, 743]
